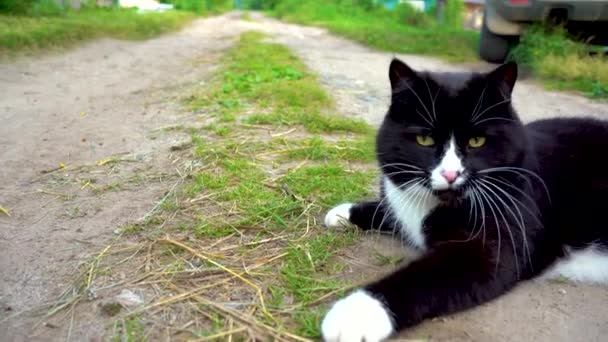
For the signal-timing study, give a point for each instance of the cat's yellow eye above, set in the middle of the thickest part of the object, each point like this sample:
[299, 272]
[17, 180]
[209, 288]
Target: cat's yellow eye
[476, 142]
[425, 140]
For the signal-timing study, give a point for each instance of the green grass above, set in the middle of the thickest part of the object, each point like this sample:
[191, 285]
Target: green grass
[264, 84]
[403, 30]
[269, 77]
[562, 63]
[316, 148]
[129, 330]
[27, 33]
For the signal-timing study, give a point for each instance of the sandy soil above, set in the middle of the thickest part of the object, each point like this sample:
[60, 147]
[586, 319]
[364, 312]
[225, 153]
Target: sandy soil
[108, 98]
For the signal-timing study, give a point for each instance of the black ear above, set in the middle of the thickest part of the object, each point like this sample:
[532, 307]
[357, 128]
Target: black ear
[400, 72]
[505, 76]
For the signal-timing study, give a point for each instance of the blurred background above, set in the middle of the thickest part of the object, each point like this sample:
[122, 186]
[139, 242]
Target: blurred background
[560, 42]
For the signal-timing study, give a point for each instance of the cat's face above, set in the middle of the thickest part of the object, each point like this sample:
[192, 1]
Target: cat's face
[443, 129]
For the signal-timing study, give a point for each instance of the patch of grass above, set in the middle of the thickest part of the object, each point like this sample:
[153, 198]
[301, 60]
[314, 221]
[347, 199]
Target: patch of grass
[309, 322]
[264, 75]
[403, 30]
[330, 183]
[317, 148]
[314, 122]
[561, 62]
[24, 33]
[129, 330]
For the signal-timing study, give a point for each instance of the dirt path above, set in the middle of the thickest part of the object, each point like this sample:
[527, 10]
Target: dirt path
[110, 98]
[105, 100]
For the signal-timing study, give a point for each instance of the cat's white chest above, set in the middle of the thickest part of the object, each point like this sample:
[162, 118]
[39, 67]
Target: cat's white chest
[410, 207]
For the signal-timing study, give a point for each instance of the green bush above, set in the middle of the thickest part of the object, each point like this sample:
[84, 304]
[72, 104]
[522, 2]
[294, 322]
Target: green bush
[453, 14]
[411, 16]
[15, 6]
[201, 6]
[46, 8]
[196, 6]
[538, 42]
[31, 7]
[561, 61]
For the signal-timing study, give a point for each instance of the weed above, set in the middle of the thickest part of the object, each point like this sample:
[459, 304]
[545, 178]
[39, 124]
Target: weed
[561, 62]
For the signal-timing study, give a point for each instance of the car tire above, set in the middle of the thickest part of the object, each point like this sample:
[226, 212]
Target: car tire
[493, 48]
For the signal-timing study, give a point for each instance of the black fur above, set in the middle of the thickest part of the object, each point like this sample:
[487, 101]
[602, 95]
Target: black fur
[559, 190]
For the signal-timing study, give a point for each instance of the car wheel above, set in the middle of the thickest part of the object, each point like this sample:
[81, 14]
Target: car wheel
[493, 48]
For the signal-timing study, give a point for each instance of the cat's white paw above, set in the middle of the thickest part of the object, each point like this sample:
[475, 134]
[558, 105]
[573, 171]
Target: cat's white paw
[356, 318]
[338, 216]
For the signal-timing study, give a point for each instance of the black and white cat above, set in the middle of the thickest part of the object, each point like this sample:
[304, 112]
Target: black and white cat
[489, 201]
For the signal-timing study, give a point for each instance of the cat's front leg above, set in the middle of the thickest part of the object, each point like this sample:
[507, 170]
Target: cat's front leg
[365, 215]
[449, 278]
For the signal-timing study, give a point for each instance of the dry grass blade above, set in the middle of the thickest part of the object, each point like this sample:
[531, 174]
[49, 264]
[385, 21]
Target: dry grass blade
[224, 268]
[251, 321]
[4, 211]
[94, 264]
[222, 334]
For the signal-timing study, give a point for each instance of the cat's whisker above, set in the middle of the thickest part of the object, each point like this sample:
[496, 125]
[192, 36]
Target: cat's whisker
[491, 119]
[479, 101]
[519, 170]
[472, 212]
[523, 205]
[418, 195]
[418, 97]
[520, 222]
[482, 228]
[405, 193]
[383, 200]
[401, 164]
[416, 172]
[432, 99]
[489, 108]
[492, 193]
[499, 239]
[424, 118]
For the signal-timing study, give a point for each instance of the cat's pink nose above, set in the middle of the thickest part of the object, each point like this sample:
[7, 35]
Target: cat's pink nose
[450, 176]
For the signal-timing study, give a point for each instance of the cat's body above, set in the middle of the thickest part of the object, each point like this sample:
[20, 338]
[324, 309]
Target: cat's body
[489, 202]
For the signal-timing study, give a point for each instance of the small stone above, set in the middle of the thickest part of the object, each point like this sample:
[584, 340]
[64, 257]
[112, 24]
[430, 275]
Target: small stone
[91, 294]
[50, 325]
[562, 291]
[128, 298]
